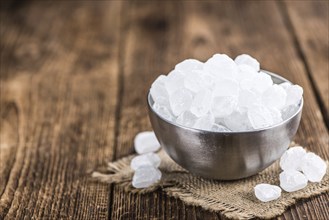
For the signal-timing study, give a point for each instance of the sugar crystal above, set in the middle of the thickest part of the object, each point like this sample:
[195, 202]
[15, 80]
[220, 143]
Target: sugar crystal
[189, 65]
[274, 97]
[146, 176]
[291, 159]
[145, 160]
[180, 101]
[247, 60]
[202, 103]
[236, 93]
[205, 122]
[260, 117]
[146, 142]
[266, 192]
[313, 167]
[292, 180]
[187, 119]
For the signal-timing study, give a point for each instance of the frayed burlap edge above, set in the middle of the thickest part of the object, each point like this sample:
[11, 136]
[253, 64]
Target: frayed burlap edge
[234, 212]
[174, 183]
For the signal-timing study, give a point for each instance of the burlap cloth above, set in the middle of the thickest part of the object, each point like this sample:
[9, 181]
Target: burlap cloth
[234, 199]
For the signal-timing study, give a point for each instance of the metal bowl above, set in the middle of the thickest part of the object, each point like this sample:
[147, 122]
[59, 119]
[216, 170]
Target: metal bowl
[225, 155]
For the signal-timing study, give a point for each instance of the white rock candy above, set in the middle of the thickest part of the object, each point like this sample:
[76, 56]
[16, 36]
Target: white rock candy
[274, 97]
[145, 160]
[223, 106]
[289, 111]
[260, 117]
[246, 72]
[285, 85]
[248, 98]
[158, 91]
[208, 80]
[146, 176]
[247, 60]
[180, 101]
[266, 192]
[146, 142]
[313, 167]
[257, 83]
[292, 180]
[221, 65]
[225, 97]
[205, 123]
[291, 159]
[276, 115]
[262, 81]
[163, 111]
[219, 128]
[174, 81]
[238, 121]
[237, 93]
[202, 103]
[226, 87]
[188, 65]
[294, 95]
[187, 119]
[194, 82]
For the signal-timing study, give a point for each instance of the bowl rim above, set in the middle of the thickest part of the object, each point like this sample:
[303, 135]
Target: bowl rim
[231, 132]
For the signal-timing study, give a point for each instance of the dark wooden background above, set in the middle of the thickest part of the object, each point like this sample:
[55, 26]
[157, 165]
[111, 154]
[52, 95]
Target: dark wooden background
[74, 77]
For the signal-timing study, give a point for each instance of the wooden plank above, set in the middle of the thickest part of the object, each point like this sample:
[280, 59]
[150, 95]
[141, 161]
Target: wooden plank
[309, 24]
[158, 35]
[150, 48]
[59, 73]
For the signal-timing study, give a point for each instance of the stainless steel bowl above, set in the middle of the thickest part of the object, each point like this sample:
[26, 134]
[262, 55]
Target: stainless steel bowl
[225, 155]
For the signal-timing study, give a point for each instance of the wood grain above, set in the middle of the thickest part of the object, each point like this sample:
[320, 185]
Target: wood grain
[309, 24]
[58, 100]
[200, 30]
[150, 48]
[74, 79]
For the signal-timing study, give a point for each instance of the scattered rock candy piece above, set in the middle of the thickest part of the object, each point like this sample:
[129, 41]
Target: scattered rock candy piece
[146, 176]
[313, 167]
[146, 142]
[292, 180]
[291, 159]
[266, 192]
[145, 160]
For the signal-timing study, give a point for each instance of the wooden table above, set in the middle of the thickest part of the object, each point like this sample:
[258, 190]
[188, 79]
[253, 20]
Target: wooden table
[74, 77]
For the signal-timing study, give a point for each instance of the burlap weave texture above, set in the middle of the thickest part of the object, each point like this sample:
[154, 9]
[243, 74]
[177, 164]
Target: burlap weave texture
[234, 199]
